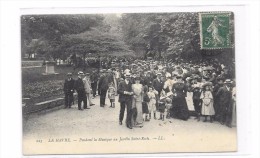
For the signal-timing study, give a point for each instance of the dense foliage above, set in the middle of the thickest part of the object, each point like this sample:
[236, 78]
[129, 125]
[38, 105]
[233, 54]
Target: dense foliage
[57, 36]
[166, 35]
[158, 35]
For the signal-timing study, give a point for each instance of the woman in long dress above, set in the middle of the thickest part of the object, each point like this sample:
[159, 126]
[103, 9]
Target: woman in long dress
[137, 103]
[179, 105]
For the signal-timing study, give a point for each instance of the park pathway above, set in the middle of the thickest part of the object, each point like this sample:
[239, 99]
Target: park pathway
[100, 122]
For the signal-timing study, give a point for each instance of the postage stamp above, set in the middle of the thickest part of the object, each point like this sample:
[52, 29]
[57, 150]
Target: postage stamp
[215, 30]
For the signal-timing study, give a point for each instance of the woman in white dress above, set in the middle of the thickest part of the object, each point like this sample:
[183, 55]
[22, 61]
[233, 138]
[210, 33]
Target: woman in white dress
[137, 102]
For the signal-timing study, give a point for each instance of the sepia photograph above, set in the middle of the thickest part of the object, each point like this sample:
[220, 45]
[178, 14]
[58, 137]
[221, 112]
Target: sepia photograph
[128, 83]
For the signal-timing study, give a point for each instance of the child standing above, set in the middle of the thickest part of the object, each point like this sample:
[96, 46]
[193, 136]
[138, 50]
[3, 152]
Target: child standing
[196, 97]
[165, 103]
[206, 96]
[145, 102]
[152, 104]
[169, 104]
[111, 94]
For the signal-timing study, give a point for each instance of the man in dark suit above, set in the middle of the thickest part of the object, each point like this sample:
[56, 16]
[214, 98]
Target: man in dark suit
[68, 89]
[101, 74]
[224, 96]
[103, 86]
[125, 99]
[94, 80]
[79, 87]
[158, 84]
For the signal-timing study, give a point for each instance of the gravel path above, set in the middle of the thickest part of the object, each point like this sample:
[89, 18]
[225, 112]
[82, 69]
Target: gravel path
[171, 135]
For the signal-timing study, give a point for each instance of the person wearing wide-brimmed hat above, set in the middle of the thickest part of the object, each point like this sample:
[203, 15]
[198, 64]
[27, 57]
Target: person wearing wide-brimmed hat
[68, 89]
[224, 95]
[206, 96]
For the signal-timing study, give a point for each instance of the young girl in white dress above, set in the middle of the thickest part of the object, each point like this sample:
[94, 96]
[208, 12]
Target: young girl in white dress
[152, 104]
[207, 108]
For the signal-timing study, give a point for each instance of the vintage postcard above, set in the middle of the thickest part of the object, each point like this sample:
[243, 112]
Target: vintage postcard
[128, 83]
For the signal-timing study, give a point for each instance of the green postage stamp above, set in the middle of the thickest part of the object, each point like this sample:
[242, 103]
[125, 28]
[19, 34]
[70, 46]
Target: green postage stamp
[215, 30]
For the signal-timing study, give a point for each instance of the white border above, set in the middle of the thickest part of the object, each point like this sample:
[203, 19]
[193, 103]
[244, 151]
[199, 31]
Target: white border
[246, 45]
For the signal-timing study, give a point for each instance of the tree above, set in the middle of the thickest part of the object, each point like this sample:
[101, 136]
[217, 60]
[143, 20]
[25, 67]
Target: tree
[94, 41]
[52, 28]
[167, 34]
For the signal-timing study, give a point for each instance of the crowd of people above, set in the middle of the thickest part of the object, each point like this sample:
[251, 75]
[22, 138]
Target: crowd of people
[161, 90]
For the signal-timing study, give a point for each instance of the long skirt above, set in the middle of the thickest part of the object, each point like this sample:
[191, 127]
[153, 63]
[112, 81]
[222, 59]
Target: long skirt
[179, 108]
[138, 114]
[189, 101]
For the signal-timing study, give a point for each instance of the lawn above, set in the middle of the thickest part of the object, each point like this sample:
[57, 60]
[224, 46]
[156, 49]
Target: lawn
[39, 87]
